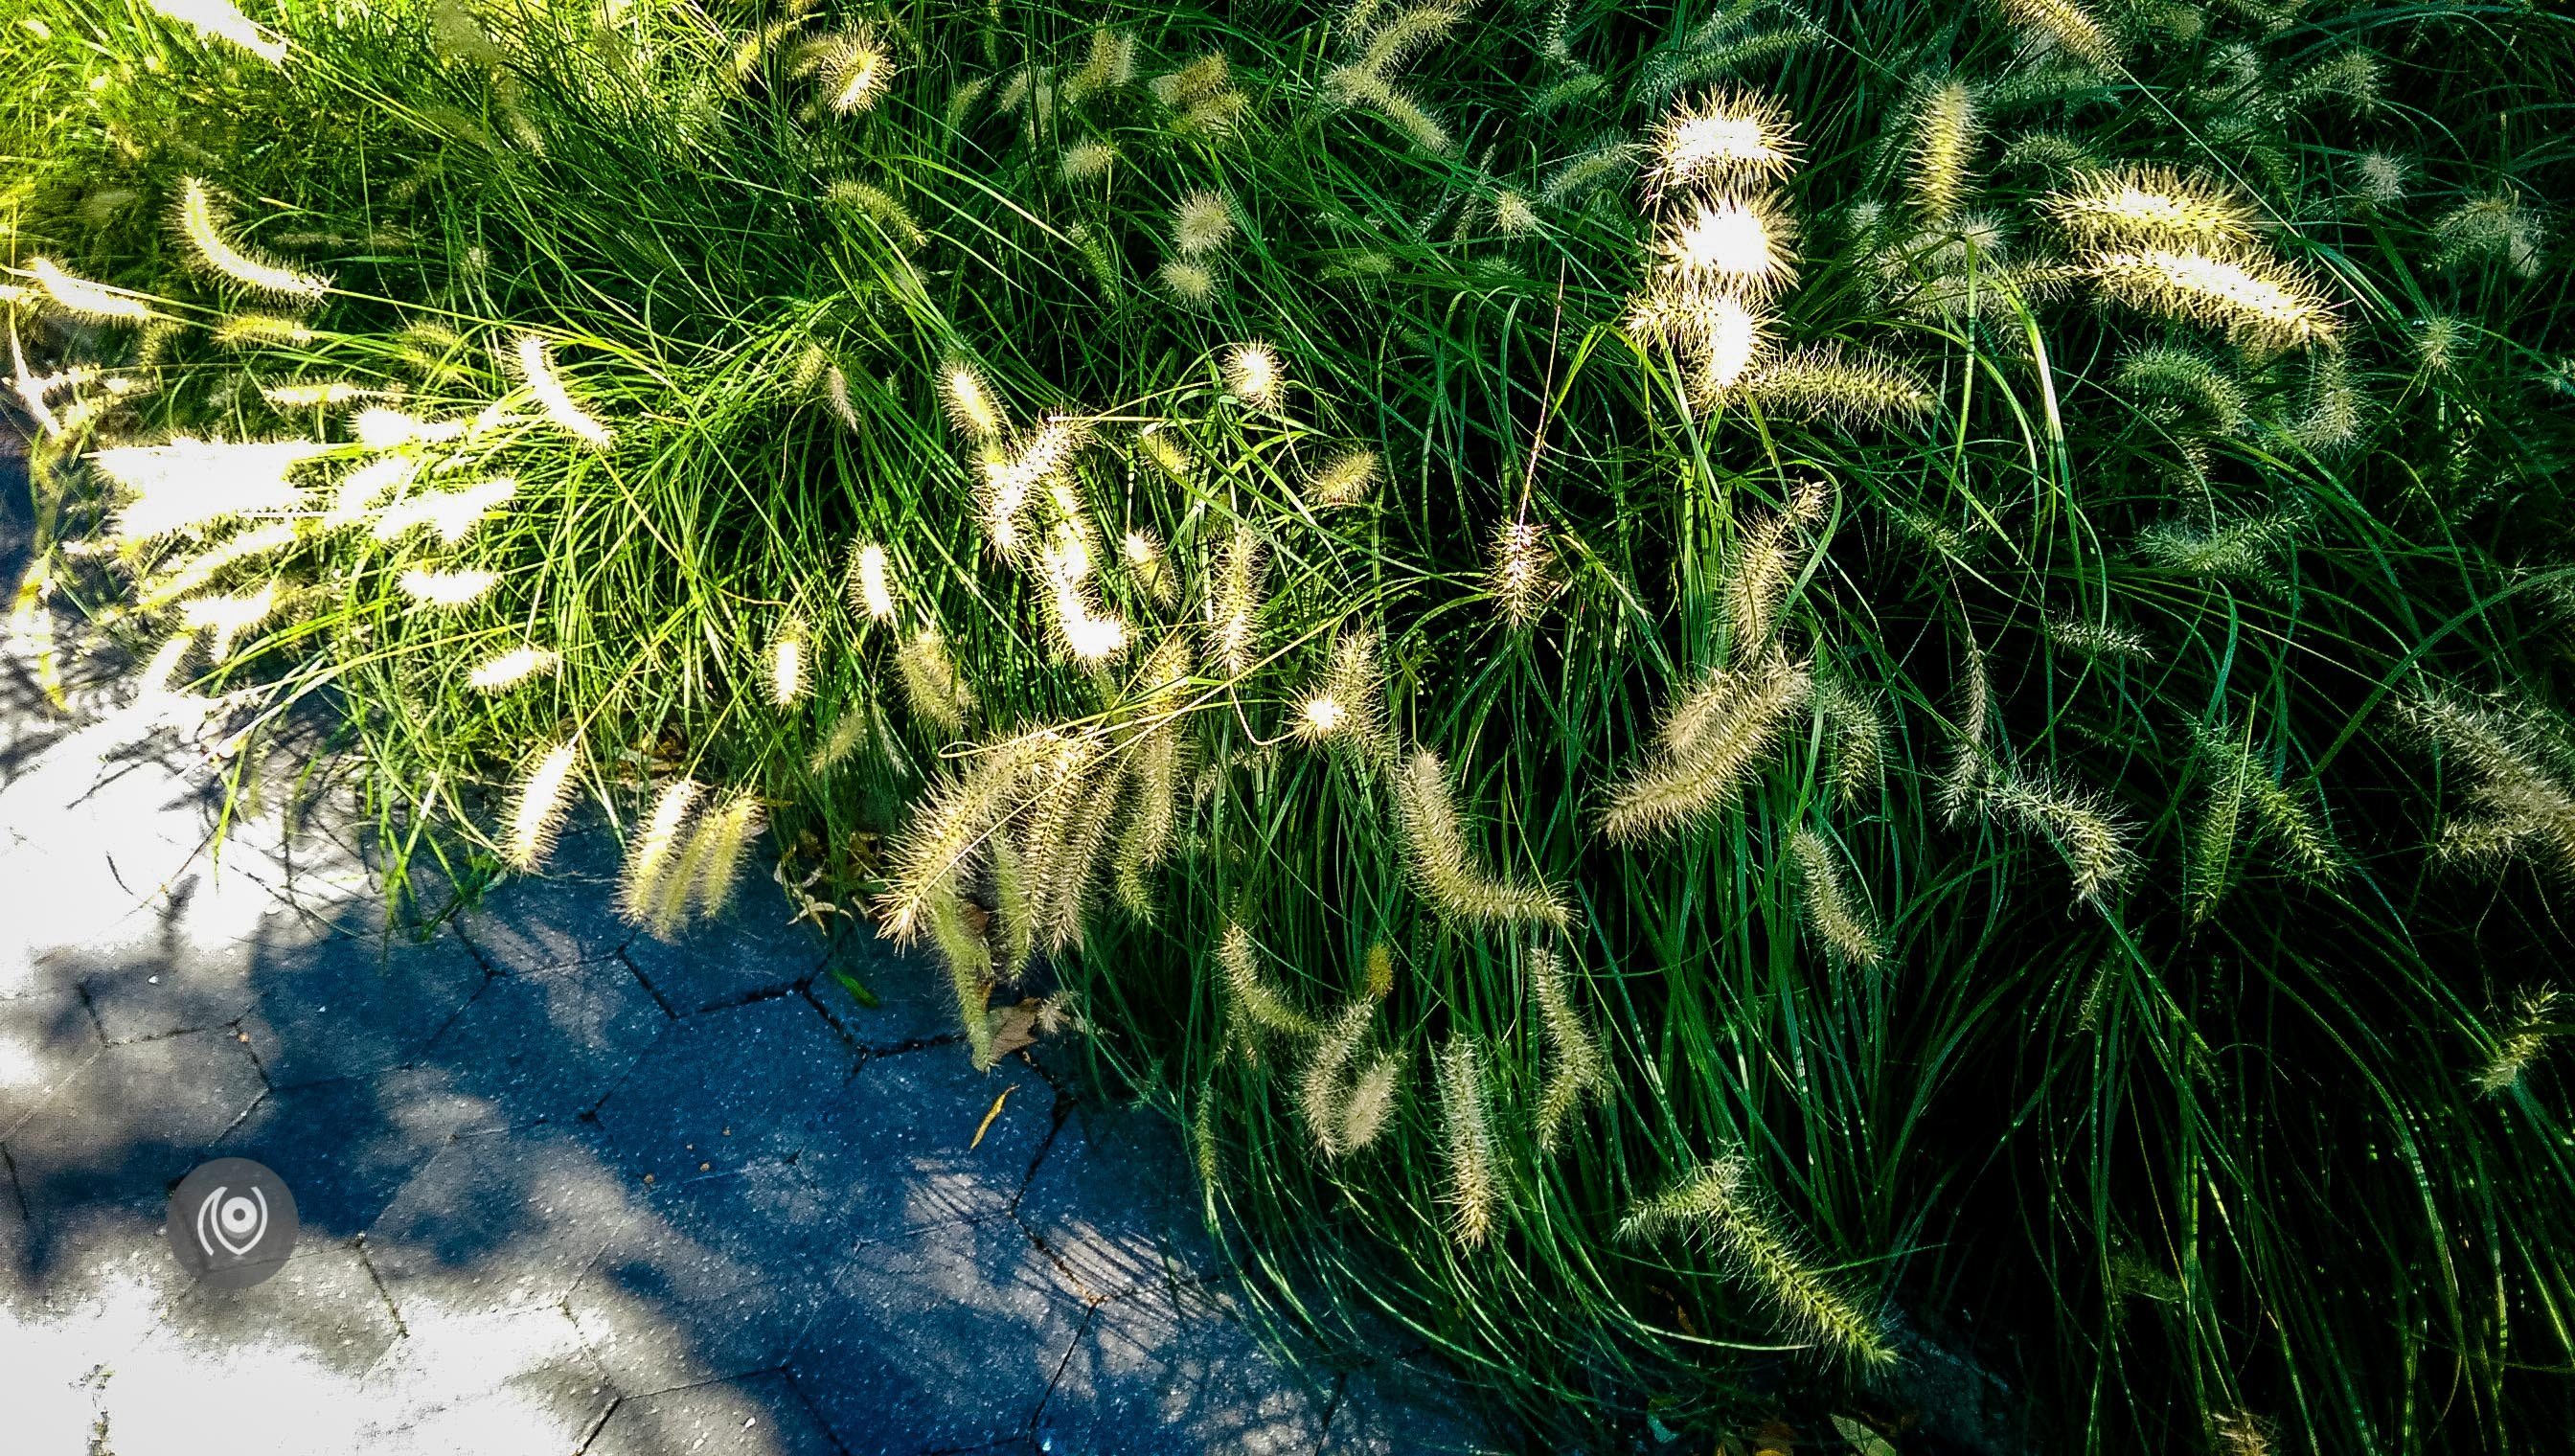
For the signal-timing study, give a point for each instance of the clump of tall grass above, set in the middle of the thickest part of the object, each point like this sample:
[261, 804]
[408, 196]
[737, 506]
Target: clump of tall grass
[1950, 605]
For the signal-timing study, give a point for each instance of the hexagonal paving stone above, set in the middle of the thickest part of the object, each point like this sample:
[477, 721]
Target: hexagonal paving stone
[132, 1121]
[486, 1383]
[913, 1002]
[941, 1340]
[500, 1222]
[322, 1302]
[1115, 1201]
[1395, 1408]
[715, 1278]
[550, 1044]
[1172, 1368]
[347, 1147]
[758, 1416]
[748, 950]
[567, 916]
[348, 1006]
[902, 1143]
[724, 1089]
[44, 1038]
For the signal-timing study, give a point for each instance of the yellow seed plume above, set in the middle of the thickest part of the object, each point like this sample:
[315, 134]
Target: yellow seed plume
[1143, 557]
[537, 363]
[1110, 64]
[184, 483]
[786, 664]
[81, 296]
[1009, 479]
[1349, 705]
[2151, 207]
[2093, 839]
[451, 515]
[223, 20]
[1381, 970]
[1150, 825]
[1084, 161]
[1859, 734]
[1832, 911]
[224, 618]
[1363, 90]
[1716, 738]
[543, 796]
[1326, 1087]
[868, 588]
[651, 857]
[1518, 575]
[1203, 223]
[1442, 864]
[1251, 996]
[854, 68]
[1474, 1178]
[2067, 26]
[1742, 243]
[2526, 807]
[510, 669]
[446, 588]
[1188, 283]
[250, 331]
[2261, 303]
[2520, 1042]
[1943, 138]
[1579, 1071]
[1830, 382]
[931, 681]
[1195, 81]
[1344, 480]
[329, 394]
[1757, 576]
[1252, 372]
[970, 403]
[1729, 137]
[1233, 610]
[1719, 1203]
[715, 850]
[968, 952]
[952, 823]
[202, 225]
[882, 208]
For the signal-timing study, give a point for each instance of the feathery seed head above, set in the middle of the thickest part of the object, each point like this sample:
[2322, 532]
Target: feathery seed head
[1443, 864]
[2378, 179]
[1738, 244]
[1204, 223]
[1084, 161]
[1518, 576]
[1513, 217]
[2094, 841]
[654, 853]
[446, 588]
[186, 483]
[1254, 998]
[84, 298]
[327, 393]
[854, 67]
[970, 404]
[1729, 137]
[869, 588]
[1233, 612]
[2496, 228]
[1715, 737]
[1380, 968]
[1836, 916]
[1719, 1203]
[225, 618]
[544, 796]
[510, 669]
[222, 20]
[1344, 480]
[2152, 206]
[199, 222]
[538, 364]
[381, 428]
[931, 682]
[1188, 283]
[451, 515]
[2520, 1044]
[1252, 372]
[786, 664]
[252, 331]
[1466, 1113]
[1201, 78]
[1579, 1070]
[2262, 303]
[1943, 138]
[2067, 26]
[1827, 381]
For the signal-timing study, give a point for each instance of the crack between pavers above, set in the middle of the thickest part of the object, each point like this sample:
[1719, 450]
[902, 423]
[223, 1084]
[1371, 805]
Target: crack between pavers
[402, 1327]
[17, 1195]
[1090, 1313]
[1056, 1115]
[748, 998]
[649, 990]
[787, 1375]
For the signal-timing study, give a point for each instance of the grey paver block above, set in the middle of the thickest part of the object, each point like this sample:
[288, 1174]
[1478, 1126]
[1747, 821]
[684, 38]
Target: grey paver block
[347, 1147]
[57, 1261]
[724, 1089]
[1397, 1408]
[549, 1044]
[499, 1222]
[914, 1000]
[322, 1302]
[348, 1007]
[943, 1339]
[715, 1277]
[900, 1144]
[132, 1121]
[1113, 1201]
[44, 1038]
[757, 1416]
[567, 916]
[462, 1382]
[748, 950]
[1172, 1368]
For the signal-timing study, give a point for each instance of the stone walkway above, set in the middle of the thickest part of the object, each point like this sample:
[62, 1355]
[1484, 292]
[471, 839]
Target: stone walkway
[562, 1189]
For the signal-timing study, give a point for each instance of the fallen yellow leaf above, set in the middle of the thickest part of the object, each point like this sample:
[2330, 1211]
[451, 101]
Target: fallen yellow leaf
[986, 1125]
